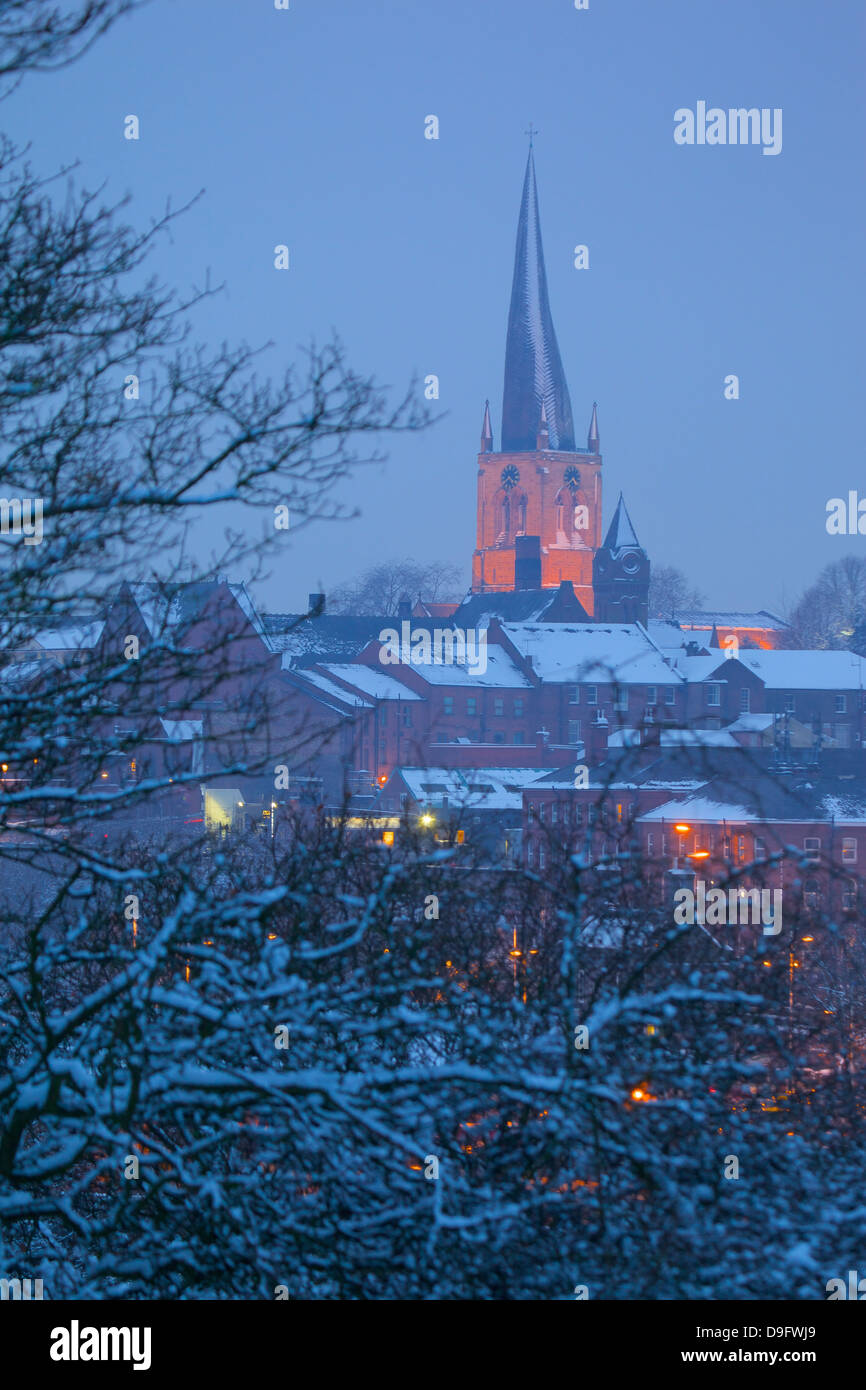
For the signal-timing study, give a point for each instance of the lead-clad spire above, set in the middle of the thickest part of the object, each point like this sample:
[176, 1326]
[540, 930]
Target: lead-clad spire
[533, 368]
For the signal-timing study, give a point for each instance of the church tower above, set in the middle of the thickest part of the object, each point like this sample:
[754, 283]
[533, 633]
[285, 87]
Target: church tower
[538, 484]
[621, 573]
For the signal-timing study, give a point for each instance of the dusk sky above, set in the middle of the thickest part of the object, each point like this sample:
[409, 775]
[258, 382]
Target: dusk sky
[307, 127]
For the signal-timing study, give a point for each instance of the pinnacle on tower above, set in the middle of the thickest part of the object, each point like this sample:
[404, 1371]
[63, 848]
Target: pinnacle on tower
[533, 368]
[592, 442]
[486, 431]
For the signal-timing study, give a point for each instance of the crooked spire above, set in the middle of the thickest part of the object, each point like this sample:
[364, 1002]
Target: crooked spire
[533, 368]
[592, 442]
[620, 533]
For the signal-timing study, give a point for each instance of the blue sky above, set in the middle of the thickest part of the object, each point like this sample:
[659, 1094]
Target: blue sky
[307, 127]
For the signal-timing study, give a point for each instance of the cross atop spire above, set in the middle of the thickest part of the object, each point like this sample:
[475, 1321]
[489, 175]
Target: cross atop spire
[531, 132]
[533, 368]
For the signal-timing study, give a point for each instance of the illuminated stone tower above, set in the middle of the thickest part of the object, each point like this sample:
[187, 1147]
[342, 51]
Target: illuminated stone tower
[539, 483]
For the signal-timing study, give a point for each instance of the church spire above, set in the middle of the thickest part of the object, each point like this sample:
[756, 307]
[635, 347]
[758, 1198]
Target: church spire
[486, 431]
[533, 368]
[592, 442]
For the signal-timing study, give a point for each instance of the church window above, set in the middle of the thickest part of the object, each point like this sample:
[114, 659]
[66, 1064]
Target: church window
[521, 516]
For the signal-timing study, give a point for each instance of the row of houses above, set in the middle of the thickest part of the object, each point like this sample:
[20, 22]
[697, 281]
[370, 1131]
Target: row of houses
[490, 709]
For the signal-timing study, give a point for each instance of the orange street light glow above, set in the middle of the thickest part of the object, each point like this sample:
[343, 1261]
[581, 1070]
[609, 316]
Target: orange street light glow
[682, 829]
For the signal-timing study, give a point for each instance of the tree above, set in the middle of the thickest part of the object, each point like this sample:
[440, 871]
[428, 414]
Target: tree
[669, 591]
[382, 587]
[831, 613]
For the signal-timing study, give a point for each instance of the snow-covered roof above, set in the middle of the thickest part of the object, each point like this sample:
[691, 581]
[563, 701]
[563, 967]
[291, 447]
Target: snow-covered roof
[500, 671]
[807, 670]
[182, 730]
[487, 788]
[700, 808]
[371, 680]
[330, 688]
[592, 652]
[676, 738]
[751, 723]
[75, 637]
[710, 617]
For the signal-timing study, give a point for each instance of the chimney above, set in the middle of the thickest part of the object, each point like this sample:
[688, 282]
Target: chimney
[527, 562]
[404, 609]
[316, 604]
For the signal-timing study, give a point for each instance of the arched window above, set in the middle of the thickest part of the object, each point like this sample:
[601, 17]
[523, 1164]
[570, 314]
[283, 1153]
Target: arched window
[521, 517]
[811, 894]
[506, 516]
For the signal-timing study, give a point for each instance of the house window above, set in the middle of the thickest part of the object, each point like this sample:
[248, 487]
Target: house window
[670, 695]
[471, 705]
[592, 694]
[652, 695]
[651, 844]
[518, 737]
[554, 812]
[574, 731]
[407, 717]
[448, 704]
[541, 810]
[590, 815]
[542, 856]
[574, 694]
[812, 848]
[849, 850]
[714, 694]
[841, 704]
[565, 815]
[745, 700]
[849, 895]
[578, 813]
[530, 855]
[518, 709]
[789, 704]
[621, 701]
[741, 848]
[760, 851]
[499, 736]
[441, 738]
[811, 894]
[498, 705]
[726, 847]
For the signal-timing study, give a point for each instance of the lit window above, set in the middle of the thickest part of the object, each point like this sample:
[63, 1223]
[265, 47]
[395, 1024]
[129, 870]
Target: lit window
[849, 850]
